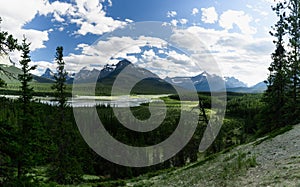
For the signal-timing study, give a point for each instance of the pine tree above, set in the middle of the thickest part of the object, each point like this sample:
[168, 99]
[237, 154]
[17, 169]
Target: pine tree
[293, 57]
[25, 123]
[283, 93]
[276, 96]
[65, 168]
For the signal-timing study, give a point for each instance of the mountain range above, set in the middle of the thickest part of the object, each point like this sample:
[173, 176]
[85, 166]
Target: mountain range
[131, 73]
[9, 72]
[206, 82]
[49, 74]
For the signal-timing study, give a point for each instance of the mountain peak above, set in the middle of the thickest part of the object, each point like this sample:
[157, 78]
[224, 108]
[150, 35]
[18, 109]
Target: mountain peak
[48, 74]
[48, 70]
[232, 82]
[123, 63]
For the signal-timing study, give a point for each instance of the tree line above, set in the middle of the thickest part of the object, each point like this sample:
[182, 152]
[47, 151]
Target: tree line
[34, 134]
[282, 97]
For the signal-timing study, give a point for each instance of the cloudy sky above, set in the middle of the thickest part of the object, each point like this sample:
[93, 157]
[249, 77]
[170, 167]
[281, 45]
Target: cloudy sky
[233, 32]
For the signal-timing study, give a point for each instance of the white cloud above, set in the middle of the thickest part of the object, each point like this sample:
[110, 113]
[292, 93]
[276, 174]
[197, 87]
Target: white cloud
[109, 3]
[174, 64]
[178, 58]
[149, 55]
[183, 21]
[240, 55]
[129, 20]
[174, 22]
[195, 11]
[24, 12]
[236, 54]
[171, 14]
[42, 66]
[103, 51]
[91, 18]
[57, 17]
[89, 15]
[209, 15]
[60, 8]
[239, 18]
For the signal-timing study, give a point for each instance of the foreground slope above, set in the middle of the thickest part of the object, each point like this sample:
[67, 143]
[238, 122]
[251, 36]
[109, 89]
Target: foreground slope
[265, 162]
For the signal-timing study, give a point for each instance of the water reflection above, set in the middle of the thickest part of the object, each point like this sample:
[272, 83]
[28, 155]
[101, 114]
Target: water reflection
[90, 101]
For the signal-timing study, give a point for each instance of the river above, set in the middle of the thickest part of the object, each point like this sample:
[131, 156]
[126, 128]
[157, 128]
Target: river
[90, 101]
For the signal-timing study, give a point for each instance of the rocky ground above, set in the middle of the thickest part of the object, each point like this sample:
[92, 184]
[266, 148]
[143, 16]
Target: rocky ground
[265, 162]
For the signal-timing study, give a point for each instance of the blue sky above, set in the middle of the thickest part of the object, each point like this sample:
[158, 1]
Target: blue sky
[235, 32]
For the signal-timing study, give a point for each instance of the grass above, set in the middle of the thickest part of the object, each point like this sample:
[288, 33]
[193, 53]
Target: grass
[275, 133]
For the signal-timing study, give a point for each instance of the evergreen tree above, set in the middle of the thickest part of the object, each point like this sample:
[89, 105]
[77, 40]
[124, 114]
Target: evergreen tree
[65, 168]
[283, 93]
[7, 44]
[276, 96]
[293, 57]
[26, 120]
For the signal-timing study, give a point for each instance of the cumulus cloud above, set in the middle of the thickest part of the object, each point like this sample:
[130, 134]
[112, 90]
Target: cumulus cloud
[209, 15]
[195, 11]
[89, 15]
[174, 22]
[162, 61]
[178, 58]
[239, 18]
[112, 48]
[171, 14]
[228, 50]
[42, 66]
[58, 18]
[13, 21]
[183, 21]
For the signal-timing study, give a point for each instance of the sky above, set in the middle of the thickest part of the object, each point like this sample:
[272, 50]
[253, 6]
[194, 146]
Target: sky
[232, 33]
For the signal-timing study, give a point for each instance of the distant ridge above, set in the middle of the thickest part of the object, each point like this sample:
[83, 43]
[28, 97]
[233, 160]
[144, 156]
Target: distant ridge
[9, 72]
[201, 84]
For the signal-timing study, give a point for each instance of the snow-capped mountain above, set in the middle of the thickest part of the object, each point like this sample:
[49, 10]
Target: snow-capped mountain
[85, 75]
[201, 83]
[109, 73]
[232, 82]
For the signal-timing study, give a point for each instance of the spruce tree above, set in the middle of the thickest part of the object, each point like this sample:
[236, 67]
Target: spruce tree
[26, 118]
[293, 58]
[283, 93]
[65, 168]
[276, 96]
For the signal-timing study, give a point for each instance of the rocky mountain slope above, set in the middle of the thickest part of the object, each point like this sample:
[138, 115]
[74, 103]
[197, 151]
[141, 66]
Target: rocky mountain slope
[201, 83]
[265, 162]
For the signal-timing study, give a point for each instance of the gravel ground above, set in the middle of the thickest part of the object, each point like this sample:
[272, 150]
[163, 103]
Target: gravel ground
[277, 164]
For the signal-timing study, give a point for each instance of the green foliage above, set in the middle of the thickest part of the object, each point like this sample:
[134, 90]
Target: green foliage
[46, 130]
[275, 133]
[24, 130]
[283, 94]
[7, 42]
[60, 79]
[65, 167]
[236, 164]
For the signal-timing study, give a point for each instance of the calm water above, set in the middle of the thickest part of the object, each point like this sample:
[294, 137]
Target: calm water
[90, 101]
